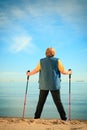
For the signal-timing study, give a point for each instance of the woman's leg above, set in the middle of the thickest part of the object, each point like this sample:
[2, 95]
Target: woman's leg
[58, 103]
[42, 98]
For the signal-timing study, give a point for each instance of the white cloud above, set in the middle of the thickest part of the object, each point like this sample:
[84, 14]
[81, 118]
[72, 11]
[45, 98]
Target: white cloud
[23, 43]
[38, 16]
[20, 43]
[73, 12]
[18, 13]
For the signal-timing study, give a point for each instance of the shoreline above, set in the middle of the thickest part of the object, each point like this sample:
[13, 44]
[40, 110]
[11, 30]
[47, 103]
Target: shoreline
[17, 123]
[31, 118]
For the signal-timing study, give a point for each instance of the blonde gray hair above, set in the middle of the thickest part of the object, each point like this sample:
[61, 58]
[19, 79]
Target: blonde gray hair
[50, 52]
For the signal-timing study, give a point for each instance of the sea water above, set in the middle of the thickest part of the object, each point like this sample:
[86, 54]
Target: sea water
[12, 100]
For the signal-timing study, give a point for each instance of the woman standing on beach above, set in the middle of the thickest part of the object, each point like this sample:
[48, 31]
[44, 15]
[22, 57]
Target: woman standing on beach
[50, 69]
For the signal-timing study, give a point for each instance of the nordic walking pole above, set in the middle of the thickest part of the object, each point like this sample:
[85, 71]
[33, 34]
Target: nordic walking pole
[25, 95]
[69, 109]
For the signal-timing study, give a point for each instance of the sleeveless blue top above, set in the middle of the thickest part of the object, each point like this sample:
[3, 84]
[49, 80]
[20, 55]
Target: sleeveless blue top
[49, 76]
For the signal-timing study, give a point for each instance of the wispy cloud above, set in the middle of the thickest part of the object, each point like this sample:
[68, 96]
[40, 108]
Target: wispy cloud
[20, 43]
[18, 13]
[42, 16]
[72, 11]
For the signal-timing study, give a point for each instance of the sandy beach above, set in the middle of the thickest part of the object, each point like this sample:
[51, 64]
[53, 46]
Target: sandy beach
[41, 124]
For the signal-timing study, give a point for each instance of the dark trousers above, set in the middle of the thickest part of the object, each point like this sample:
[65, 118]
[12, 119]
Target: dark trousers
[56, 98]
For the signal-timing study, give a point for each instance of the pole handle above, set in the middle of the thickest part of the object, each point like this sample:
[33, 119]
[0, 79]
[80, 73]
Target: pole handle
[69, 74]
[28, 76]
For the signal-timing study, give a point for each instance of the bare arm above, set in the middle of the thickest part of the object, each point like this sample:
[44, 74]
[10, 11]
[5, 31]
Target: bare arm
[62, 70]
[66, 72]
[34, 71]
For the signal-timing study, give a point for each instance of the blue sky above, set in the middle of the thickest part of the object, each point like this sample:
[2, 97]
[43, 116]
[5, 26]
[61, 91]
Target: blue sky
[28, 27]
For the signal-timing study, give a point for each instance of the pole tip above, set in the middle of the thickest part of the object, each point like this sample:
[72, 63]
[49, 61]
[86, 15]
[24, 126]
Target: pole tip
[69, 69]
[28, 71]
